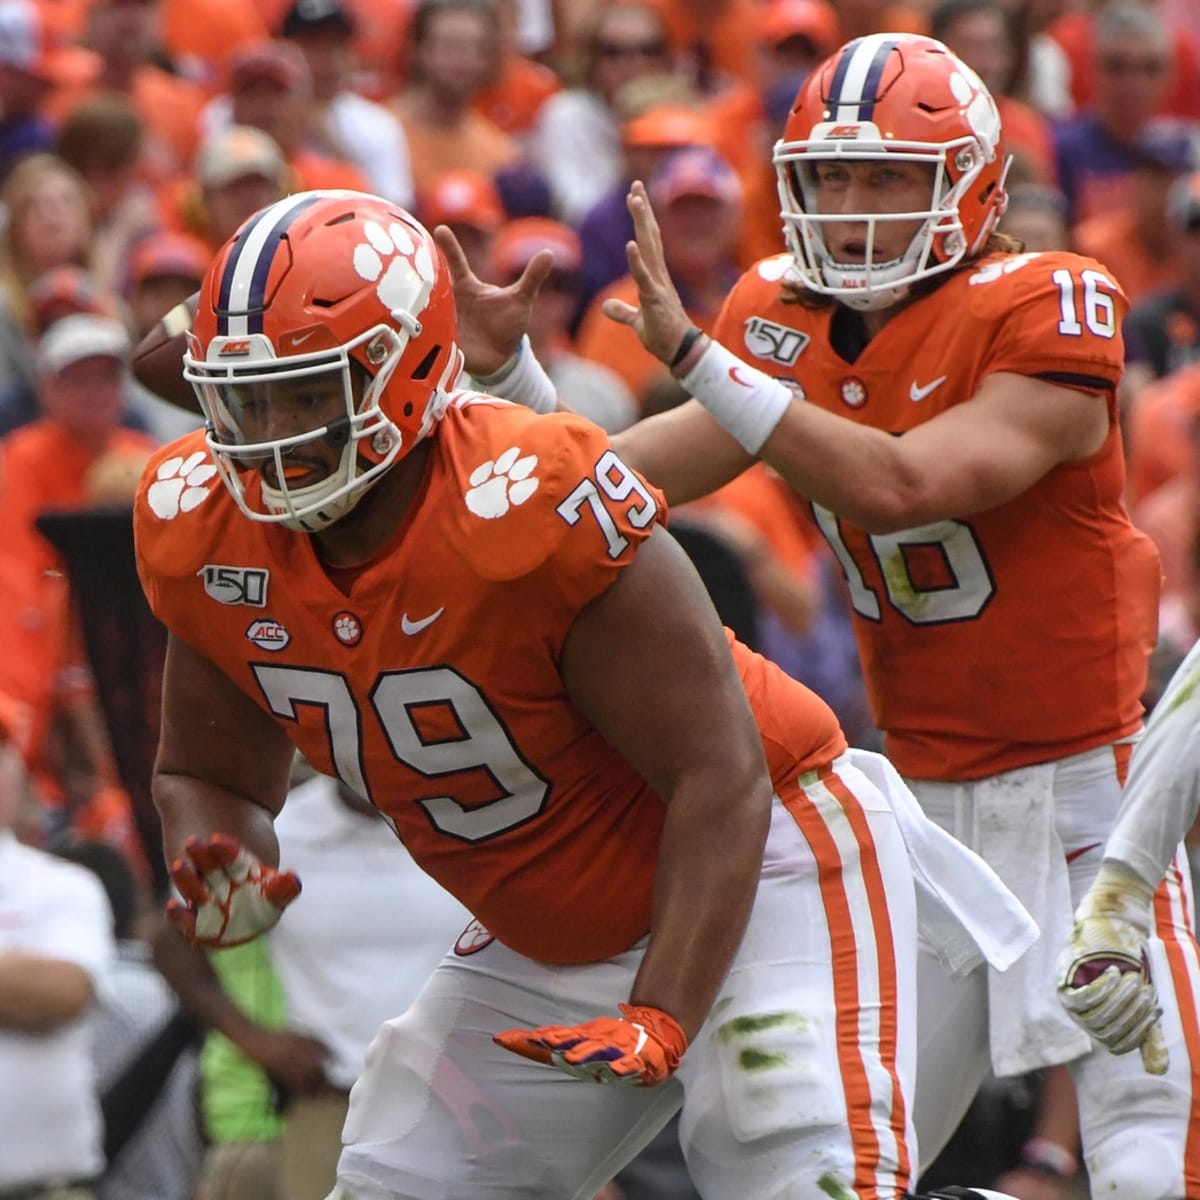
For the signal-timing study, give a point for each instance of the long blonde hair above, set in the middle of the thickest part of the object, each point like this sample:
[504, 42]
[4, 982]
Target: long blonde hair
[17, 197]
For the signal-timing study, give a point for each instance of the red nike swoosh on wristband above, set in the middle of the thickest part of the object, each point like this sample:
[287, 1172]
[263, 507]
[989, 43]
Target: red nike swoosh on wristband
[740, 382]
[1074, 854]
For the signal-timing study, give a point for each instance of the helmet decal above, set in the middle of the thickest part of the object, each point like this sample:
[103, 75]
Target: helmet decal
[855, 87]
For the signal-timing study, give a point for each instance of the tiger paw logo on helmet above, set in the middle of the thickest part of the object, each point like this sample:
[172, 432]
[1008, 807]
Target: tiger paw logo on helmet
[386, 259]
[180, 484]
[496, 486]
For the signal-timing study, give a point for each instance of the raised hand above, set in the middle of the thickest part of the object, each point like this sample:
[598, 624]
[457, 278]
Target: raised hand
[228, 895]
[491, 319]
[660, 320]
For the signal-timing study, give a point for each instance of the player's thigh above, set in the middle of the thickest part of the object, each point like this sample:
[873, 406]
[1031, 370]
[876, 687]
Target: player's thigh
[441, 1111]
[800, 1082]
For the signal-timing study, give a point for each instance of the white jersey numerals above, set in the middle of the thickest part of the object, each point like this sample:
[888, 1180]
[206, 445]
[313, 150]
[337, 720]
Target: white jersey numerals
[611, 481]
[1093, 294]
[484, 743]
[962, 557]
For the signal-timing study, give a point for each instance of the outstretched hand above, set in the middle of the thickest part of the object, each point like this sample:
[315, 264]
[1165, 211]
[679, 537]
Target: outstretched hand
[492, 319]
[660, 320]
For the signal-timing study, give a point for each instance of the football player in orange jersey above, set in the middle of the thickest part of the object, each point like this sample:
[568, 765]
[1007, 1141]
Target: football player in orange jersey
[474, 617]
[948, 405]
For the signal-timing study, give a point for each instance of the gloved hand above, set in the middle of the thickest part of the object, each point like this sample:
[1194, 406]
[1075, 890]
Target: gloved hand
[229, 896]
[641, 1048]
[1104, 973]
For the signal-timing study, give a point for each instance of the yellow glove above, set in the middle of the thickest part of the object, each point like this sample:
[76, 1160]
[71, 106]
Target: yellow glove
[1104, 972]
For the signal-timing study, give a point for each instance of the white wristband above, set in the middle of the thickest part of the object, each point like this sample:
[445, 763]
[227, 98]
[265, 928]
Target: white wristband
[742, 399]
[522, 380]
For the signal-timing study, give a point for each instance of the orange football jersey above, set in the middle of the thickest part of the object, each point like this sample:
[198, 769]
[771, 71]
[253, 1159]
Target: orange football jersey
[431, 684]
[1012, 636]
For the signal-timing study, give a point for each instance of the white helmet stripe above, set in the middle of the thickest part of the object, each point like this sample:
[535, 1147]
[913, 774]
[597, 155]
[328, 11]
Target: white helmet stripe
[856, 79]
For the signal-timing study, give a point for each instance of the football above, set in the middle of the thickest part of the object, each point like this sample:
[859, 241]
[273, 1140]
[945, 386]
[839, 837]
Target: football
[157, 362]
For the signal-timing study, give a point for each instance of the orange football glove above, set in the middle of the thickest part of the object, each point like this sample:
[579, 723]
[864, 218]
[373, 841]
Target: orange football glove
[229, 896]
[640, 1049]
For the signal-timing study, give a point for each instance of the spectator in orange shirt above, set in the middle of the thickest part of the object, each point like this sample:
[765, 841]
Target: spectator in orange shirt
[517, 86]
[238, 171]
[82, 362]
[714, 39]
[469, 203]
[858, 18]
[453, 45]
[126, 34]
[698, 200]
[1135, 241]
[198, 35]
[270, 88]
[983, 33]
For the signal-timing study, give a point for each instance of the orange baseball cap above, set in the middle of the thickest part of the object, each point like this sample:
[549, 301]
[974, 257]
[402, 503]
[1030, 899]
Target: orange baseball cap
[520, 240]
[168, 254]
[670, 125]
[463, 197]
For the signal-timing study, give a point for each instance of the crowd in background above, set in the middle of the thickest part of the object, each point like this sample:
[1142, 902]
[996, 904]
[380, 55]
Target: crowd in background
[136, 135]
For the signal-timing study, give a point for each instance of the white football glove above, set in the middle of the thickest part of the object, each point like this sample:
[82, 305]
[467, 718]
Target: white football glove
[1104, 972]
[228, 895]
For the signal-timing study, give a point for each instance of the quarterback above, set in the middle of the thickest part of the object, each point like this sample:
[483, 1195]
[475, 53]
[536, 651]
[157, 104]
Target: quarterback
[473, 616]
[947, 403]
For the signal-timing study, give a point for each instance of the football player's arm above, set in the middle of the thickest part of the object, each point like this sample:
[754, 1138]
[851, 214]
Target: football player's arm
[648, 664]
[974, 456]
[220, 777]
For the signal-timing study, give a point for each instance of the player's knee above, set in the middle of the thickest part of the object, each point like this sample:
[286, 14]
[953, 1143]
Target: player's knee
[1136, 1167]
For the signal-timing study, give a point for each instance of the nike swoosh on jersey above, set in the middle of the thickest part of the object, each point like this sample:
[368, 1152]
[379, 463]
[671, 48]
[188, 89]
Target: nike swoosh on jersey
[411, 627]
[1072, 855]
[917, 394]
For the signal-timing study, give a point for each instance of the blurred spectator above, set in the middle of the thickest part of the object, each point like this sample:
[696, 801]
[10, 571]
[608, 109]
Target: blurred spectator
[56, 948]
[34, 60]
[1037, 216]
[144, 1048]
[48, 464]
[577, 143]
[165, 269]
[238, 171]
[1077, 32]
[270, 88]
[469, 203]
[381, 46]
[1133, 240]
[794, 36]
[698, 202]
[198, 35]
[341, 931]
[1159, 432]
[714, 40]
[596, 391]
[454, 44]
[1162, 332]
[517, 87]
[858, 18]
[646, 139]
[344, 124]
[102, 139]
[62, 291]
[984, 34]
[126, 36]
[1043, 70]
[1132, 51]
[48, 224]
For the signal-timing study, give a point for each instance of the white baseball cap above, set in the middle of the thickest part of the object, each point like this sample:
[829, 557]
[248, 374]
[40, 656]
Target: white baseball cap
[81, 335]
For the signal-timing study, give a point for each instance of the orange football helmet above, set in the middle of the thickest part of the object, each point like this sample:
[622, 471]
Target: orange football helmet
[892, 96]
[349, 295]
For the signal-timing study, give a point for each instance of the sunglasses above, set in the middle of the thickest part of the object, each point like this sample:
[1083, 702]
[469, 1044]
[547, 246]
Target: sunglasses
[616, 50]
